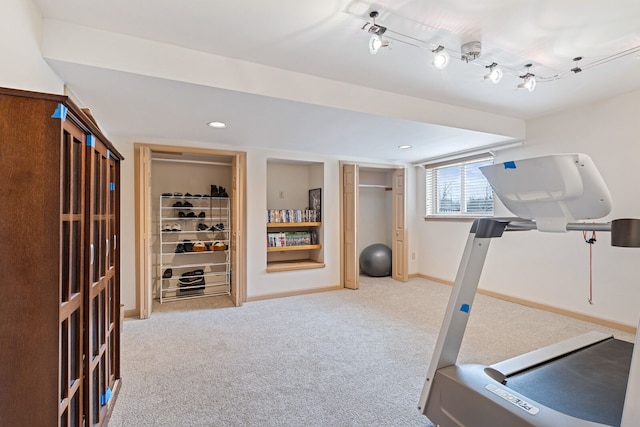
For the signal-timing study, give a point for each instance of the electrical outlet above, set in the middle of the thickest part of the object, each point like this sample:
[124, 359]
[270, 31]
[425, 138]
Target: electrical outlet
[281, 194]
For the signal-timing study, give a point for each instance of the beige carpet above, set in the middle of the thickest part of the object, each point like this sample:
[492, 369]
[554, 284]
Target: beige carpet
[341, 358]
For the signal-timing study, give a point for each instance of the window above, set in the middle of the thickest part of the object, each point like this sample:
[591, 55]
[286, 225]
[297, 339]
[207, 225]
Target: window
[459, 188]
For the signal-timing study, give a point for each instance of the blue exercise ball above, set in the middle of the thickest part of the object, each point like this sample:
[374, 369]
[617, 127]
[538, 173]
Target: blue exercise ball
[375, 260]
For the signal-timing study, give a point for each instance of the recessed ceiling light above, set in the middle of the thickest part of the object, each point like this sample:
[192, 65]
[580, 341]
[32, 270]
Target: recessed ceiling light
[405, 147]
[217, 125]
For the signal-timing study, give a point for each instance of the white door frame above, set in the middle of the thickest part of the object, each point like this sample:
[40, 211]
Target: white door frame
[403, 262]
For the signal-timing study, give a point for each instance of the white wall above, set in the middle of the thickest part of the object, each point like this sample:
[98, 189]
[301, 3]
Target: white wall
[287, 185]
[376, 205]
[20, 41]
[553, 269]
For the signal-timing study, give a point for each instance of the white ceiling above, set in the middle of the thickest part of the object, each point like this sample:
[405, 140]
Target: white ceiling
[325, 39]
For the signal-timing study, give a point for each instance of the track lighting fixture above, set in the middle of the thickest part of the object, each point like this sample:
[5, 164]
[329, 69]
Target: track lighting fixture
[495, 73]
[441, 58]
[471, 53]
[528, 80]
[376, 42]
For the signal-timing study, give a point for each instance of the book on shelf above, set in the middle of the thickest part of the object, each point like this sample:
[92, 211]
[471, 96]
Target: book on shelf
[292, 215]
[289, 238]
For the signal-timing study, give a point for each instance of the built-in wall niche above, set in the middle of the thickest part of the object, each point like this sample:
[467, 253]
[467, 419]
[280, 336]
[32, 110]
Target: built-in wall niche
[294, 230]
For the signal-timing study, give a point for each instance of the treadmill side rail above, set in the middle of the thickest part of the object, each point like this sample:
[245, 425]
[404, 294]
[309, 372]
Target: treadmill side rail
[512, 366]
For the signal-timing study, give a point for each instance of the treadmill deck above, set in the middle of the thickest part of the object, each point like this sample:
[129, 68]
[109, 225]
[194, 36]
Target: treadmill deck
[589, 384]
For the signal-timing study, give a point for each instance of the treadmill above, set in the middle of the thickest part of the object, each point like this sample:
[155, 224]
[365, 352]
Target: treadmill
[589, 380]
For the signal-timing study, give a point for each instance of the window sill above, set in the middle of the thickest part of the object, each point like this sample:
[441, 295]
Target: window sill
[455, 217]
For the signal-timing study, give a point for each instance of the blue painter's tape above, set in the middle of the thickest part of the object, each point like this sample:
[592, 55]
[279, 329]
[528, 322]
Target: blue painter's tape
[91, 141]
[510, 165]
[112, 186]
[106, 397]
[465, 308]
[60, 113]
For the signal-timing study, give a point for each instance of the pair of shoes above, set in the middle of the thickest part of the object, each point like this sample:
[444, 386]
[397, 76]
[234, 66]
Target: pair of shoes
[202, 215]
[191, 215]
[172, 227]
[188, 245]
[166, 194]
[181, 214]
[218, 191]
[192, 279]
[203, 227]
[177, 194]
[179, 248]
[167, 273]
[179, 204]
[219, 246]
[187, 195]
[217, 227]
[199, 247]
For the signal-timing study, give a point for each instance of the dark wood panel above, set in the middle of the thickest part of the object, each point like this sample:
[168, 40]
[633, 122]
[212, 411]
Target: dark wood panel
[29, 247]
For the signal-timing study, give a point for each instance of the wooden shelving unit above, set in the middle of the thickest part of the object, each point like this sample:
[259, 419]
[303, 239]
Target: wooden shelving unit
[300, 264]
[292, 224]
[284, 258]
[293, 248]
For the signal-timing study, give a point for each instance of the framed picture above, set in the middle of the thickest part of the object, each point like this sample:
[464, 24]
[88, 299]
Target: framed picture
[315, 202]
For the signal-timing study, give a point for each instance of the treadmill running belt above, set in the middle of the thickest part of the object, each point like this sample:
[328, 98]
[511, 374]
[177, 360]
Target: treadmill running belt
[589, 384]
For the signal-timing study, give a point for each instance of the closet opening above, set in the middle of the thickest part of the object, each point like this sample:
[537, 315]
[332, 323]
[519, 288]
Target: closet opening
[190, 222]
[373, 213]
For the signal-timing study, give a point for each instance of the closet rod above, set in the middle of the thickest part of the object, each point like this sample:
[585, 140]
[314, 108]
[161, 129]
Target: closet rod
[203, 162]
[386, 187]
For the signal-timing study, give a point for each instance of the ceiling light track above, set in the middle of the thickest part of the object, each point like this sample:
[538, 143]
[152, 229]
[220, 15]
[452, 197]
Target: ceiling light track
[471, 51]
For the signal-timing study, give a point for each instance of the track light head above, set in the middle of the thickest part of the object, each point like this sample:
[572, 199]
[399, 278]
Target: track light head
[495, 73]
[528, 83]
[376, 43]
[441, 58]
[528, 80]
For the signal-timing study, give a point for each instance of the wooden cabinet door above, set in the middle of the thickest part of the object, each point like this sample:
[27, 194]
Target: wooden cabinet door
[100, 312]
[113, 289]
[72, 274]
